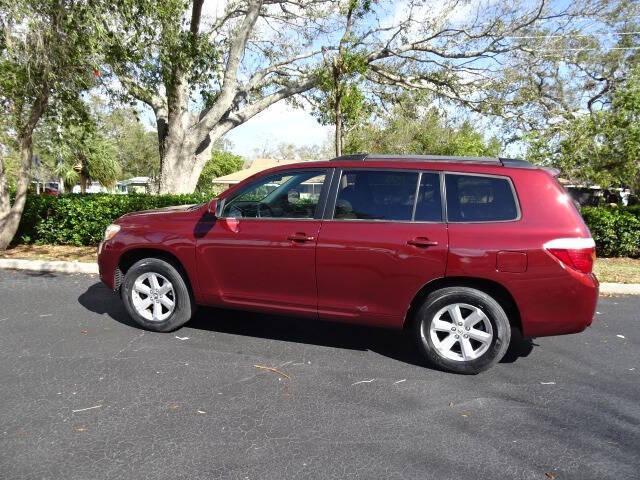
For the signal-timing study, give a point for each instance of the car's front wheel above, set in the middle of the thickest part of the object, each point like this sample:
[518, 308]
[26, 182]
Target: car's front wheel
[462, 330]
[156, 295]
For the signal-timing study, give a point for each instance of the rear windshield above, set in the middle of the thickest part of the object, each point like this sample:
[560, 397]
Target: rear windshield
[472, 198]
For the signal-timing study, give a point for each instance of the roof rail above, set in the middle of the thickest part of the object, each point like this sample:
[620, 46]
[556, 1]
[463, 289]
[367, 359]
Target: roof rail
[366, 157]
[356, 157]
[516, 162]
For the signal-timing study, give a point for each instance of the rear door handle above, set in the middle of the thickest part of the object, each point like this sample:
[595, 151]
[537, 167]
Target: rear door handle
[422, 242]
[301, 237]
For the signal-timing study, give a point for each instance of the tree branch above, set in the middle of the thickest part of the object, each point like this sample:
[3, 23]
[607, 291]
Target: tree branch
[230, 79]
[196, 13]
[143, 94]
[249, 111]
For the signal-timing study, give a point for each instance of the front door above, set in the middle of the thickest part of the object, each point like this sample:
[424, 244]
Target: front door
[260, 252]
[382, 241]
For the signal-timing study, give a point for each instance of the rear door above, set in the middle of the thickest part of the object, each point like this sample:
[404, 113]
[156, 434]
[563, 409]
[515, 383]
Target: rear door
[382, 239]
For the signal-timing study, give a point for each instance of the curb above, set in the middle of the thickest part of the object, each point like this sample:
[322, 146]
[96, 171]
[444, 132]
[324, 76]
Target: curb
[87, 267]
[620, 288]
[48, 265]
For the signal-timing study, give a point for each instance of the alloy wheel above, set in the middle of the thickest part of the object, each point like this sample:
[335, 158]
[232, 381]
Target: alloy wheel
[153, 297]
[460, 332]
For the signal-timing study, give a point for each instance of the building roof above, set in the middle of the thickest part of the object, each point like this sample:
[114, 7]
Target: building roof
[135, 180]
[258, 165]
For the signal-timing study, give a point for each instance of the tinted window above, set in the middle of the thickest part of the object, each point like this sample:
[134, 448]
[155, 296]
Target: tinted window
[429, 205]
[283, 195]
[479, 199]
[376, 195]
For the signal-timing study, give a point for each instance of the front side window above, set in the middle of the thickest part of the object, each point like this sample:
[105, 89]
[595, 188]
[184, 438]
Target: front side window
[281, 195]
[376, 195]
[472, 198]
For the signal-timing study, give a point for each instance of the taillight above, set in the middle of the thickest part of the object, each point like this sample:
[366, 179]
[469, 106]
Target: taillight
[576, 253]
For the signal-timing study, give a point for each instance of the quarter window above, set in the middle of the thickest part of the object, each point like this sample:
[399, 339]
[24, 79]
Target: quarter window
[282, 195]
[376, 195]
[472, 198]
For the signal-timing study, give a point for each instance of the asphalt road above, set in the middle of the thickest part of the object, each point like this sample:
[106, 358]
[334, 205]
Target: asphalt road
[84, 394]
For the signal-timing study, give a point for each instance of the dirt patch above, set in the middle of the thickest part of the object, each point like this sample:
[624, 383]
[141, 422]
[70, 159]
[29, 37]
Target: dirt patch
[51, 252]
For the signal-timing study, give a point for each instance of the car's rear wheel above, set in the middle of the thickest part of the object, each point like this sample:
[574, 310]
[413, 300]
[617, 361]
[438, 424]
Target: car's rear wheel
[462, 330]
[156, 295]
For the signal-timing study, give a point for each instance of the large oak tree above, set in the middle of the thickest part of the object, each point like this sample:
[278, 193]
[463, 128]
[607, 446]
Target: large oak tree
[206, 67]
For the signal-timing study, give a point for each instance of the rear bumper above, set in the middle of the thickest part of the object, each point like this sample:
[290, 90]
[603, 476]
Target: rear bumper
[559, 306]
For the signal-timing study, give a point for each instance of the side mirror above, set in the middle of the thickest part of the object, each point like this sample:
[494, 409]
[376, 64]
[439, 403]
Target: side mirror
[213, 207]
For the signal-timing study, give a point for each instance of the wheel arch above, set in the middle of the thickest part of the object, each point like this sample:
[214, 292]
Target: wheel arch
[130, 257]
[490, 287]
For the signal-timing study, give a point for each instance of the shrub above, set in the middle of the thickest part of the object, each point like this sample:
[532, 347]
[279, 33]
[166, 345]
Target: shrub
[73, 219]
[81, 219]
[616, 231]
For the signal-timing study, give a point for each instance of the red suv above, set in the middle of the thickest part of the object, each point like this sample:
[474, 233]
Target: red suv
[460, 250]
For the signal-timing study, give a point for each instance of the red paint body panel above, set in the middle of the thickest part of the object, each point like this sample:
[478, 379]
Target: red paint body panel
[551, 299]
[169, 230]
[367, 273]
[253, 263]
[364, 271]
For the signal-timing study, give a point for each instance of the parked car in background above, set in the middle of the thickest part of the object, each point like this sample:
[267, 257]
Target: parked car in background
[461, 251]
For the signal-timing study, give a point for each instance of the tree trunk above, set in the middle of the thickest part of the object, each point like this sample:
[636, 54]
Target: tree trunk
[10, 214]
[83, 183]
[181, 169]
[338, 132]
[181, 157]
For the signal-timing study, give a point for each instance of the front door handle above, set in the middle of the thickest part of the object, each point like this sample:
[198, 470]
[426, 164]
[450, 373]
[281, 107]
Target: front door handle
[301, 237]
[422, 242]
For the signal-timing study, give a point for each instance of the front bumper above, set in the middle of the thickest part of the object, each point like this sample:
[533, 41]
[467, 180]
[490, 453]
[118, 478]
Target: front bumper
[108, 265]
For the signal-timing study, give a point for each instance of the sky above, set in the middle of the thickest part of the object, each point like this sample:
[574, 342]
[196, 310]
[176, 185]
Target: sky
[281, 123]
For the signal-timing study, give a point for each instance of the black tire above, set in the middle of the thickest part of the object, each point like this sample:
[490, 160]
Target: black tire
[501, 329]
[184, 306]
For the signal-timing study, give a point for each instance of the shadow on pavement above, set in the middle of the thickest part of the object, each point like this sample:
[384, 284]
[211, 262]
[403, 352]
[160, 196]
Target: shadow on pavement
[32, 273]
[99, 299]
[396, 344]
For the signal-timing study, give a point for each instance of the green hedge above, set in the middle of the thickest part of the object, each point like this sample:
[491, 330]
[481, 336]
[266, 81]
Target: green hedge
[81, 220]
[615, 230]
[73, 219]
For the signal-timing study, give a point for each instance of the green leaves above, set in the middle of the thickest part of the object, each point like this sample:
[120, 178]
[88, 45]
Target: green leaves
[221, 163]
[601, 148]
[81, 219]
[411, 129]
[616, 231]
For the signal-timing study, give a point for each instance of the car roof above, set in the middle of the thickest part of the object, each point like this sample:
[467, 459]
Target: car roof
[474, 165]
[368, 157]
[402, 161]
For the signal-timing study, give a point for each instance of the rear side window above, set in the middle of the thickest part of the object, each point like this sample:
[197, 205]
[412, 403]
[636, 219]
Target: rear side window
[376, 195]
[472, 198]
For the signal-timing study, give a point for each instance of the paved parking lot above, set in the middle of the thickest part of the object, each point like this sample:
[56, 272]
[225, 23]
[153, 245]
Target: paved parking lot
[84, 394]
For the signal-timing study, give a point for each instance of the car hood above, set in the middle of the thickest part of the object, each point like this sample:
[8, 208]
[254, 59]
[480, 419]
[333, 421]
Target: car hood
[169, 211]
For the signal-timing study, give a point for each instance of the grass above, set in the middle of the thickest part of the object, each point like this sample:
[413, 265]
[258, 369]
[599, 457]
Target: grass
[617, 270]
